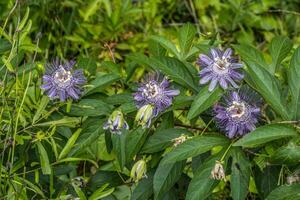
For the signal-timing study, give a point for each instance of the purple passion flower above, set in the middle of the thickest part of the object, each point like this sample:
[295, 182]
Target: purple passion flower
[220, 67]
[61, 81]
[156, 93]
[116, 123]
[239, 114]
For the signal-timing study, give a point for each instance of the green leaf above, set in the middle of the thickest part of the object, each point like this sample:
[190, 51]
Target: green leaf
[88, 64]
[44, 160]
[163, 139]
[289, 154]
[175, 69]
[168, 45]
[166, 175]
[69, 145]
[169, 66]
[279, 49]
[266, 180]
[29, 184]
[119, 146]
[265, 83]
[72, 159]
[90, 133]
[79, 192]
[66, 121]
[90, 107]
[240, 174]
[42, 105]
[103, 177]
[265, 134]
[101, 192]
[195, 146]
[5, 45]
[294, 84]
[203, 101]
[186, 37]
[144, 189]
[202, 184]
[156, 49]
[24, 19]
[100, 82]
[90, 9]
[285, 192]
[134, 142]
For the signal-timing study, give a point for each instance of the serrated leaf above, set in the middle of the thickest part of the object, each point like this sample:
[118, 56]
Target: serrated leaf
[44, 160]
[168, 45]
[240, 174]
[294, 84]
[88, 64]
[162, 139]
[195, 146]
[265, 134]
[203, 101]
[166, 175]
[289, 154]
[171, 67]
[100, 82]
[186, 37]
[285, 192]
[279, 49]
[265, 83]
[175, 70]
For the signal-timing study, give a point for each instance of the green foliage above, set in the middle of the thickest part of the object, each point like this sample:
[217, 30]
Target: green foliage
[59, 150]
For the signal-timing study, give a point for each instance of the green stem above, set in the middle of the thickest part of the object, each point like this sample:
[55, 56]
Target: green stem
[225, 153]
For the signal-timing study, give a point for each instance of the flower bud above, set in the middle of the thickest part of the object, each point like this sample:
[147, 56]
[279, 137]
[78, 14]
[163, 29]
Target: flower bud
[179, 140]
[218, 172]
[116, 123]
[138, 170]
[291, 179]
[145, 115]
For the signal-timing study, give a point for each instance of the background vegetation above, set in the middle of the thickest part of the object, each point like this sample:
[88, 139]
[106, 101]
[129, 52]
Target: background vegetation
[53, 150]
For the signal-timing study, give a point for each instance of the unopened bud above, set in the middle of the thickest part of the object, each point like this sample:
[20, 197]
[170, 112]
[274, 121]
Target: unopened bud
[218, 172]
[116, 123]
[293, 179]
[138, 170]
[179, 140]
[145, 115]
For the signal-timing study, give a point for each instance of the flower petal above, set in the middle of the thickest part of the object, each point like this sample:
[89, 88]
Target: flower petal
[205, 79]
[205, 60]
[212, 84]
[227, 53]
[223, 83]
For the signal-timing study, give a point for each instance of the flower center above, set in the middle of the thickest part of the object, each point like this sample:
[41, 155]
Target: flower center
[237, 110]
[220, 66]
[151, 90]
[62, 77]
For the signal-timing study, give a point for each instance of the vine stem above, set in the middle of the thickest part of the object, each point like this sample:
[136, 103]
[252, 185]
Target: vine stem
[225, 153]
